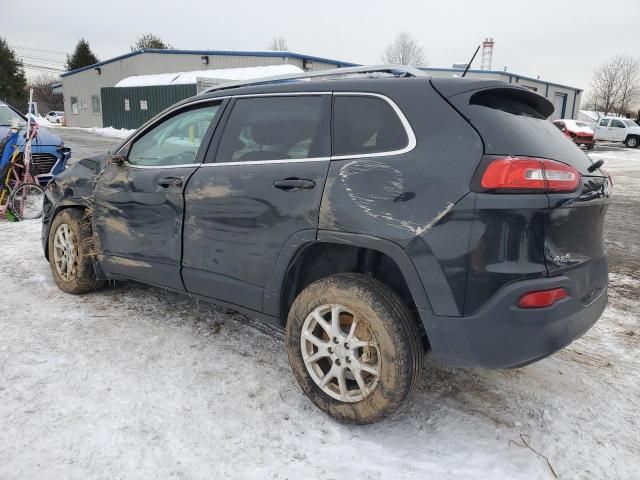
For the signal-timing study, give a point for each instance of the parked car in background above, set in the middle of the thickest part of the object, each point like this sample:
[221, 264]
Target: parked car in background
[579, 132]
[55, 117]
[617, 129]
[49, 155]
[375, 220]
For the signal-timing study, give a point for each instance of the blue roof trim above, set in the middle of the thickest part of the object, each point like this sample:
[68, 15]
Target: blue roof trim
[499, 72]
[238, 53]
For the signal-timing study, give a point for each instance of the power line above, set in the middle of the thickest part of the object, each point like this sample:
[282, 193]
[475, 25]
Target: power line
[28, 58]
[43, 68]
[17, 47]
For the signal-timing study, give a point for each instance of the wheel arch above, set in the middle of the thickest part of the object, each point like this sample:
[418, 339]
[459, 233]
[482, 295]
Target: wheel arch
[307, 257]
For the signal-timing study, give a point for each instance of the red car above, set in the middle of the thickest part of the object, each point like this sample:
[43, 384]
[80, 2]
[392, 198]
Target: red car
[579, 132]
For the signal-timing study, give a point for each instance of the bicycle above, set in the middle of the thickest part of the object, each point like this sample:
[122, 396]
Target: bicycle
[20, 192]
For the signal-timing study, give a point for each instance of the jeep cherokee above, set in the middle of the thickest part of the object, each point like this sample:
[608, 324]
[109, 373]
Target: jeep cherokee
[376, 220]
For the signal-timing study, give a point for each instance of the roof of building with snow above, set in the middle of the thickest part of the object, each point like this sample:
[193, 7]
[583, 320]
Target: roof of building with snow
[187, 78]
[228, 53]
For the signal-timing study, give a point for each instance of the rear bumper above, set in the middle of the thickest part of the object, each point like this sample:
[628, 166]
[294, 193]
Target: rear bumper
[584, 140]
[502, 335]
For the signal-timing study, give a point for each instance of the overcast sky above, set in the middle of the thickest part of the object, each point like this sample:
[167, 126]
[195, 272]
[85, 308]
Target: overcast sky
[562, 41]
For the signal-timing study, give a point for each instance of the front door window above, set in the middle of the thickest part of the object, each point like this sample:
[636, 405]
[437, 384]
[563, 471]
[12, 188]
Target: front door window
[174, 141]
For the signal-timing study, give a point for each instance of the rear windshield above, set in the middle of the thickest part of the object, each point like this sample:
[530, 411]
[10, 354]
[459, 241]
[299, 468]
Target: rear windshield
[514, 122]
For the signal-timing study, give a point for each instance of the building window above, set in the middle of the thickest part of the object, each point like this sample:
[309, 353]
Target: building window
[95, 104]
[74, 105]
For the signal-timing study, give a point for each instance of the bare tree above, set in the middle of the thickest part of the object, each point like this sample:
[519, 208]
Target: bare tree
[43, 93]
[615, 87]
[278, 44]
[629, 85]
[404, 50]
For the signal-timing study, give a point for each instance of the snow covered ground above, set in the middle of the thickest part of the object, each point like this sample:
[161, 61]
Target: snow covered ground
[134, 382]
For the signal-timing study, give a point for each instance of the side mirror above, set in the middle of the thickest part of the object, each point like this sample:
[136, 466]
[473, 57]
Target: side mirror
[116, 160]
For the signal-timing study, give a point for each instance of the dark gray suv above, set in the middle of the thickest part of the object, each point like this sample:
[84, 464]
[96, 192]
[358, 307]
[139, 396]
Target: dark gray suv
[375, 219]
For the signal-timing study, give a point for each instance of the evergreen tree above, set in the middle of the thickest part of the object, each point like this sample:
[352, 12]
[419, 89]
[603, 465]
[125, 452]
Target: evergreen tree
[13, 84]
[82, 56]
[149, 40]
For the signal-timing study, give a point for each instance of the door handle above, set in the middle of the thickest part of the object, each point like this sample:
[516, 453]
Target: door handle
[170, 182]
[290, 184]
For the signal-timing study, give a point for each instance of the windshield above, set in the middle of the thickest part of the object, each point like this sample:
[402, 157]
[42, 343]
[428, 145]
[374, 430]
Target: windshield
[582, 124]
[630, 123]
[8, 116]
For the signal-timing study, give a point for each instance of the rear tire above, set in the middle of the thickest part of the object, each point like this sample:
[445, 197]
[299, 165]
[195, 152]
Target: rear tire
[590, 147]
[632, 142]
[354, 347]
[69, 245]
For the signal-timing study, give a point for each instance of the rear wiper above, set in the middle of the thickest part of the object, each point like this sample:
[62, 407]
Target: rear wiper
[596, 165]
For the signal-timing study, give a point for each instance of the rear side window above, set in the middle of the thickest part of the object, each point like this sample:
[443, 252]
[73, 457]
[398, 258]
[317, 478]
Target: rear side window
[276, 128]
[363, 125]
[617, 124]
[604, 123]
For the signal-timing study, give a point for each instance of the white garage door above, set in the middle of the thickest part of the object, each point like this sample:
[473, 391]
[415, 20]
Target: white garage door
[560, 105]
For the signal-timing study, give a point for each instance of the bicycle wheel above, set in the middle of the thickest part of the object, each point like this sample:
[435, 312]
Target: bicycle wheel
[26, 201]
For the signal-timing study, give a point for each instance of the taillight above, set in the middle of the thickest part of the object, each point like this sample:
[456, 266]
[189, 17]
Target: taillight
[542, 298]
[526, 173]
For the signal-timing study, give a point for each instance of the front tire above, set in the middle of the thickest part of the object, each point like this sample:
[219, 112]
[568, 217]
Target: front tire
[69, 245]
[354, 347]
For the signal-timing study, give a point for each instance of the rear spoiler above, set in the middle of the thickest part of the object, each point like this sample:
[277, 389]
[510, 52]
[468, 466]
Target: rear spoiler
[484, 92]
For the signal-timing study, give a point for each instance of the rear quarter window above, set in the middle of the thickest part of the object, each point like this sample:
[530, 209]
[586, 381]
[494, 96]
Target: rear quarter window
[365, 125]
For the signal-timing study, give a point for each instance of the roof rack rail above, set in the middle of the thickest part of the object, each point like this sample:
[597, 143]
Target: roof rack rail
[395, 70]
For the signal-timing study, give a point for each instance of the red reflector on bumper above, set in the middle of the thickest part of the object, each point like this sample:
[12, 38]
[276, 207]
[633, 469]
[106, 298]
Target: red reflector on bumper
[542, 298]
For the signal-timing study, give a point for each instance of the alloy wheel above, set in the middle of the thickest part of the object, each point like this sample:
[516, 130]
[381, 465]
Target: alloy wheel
[340, 353]
[65, 252]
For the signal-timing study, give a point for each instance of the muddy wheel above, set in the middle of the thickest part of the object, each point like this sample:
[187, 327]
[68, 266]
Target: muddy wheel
[590, 146]
[354, 347]
[69, 247]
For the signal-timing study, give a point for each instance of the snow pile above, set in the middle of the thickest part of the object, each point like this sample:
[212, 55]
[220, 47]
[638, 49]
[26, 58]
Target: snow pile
[110, 131]
[43, 122]
[182, 78]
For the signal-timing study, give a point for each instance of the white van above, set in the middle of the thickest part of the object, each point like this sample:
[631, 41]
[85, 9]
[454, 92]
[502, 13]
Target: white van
[616, 129]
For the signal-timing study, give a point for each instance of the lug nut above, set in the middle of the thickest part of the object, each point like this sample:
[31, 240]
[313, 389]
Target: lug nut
[330, 350]
[348, 359]
[337, 361]
[346, 345]
[335, 340]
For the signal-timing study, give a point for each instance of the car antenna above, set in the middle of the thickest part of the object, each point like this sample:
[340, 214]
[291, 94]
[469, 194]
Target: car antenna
[471, 61]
